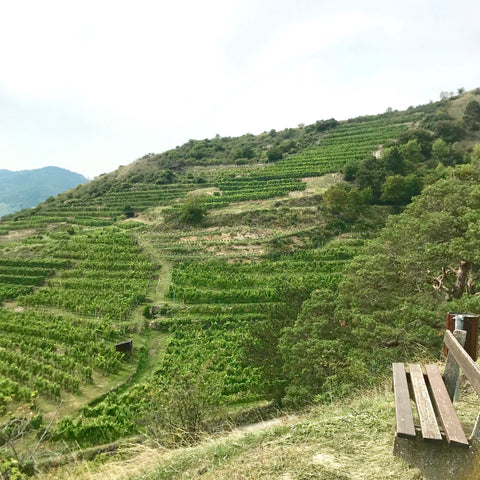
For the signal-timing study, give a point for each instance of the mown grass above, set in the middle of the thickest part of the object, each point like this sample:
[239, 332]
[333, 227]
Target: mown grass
[347, 440]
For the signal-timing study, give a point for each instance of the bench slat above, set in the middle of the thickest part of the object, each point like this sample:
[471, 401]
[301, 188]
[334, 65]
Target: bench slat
[451, 424]
[403, 406]
[468, 366]
[426, 414]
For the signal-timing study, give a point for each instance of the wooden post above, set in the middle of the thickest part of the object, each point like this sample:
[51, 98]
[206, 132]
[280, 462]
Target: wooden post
[451, 374]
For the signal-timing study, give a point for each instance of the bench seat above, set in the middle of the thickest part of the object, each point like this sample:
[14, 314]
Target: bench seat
[435, 411]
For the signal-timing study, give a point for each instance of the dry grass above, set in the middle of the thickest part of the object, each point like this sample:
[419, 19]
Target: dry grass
[16, 235]
[456, 108]
[347, 440]
[138, 459]
[320, 184]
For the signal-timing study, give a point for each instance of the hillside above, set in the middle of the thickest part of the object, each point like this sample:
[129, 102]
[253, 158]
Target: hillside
[335, 442]
[26, 188]
[350, 439]
[252, 274]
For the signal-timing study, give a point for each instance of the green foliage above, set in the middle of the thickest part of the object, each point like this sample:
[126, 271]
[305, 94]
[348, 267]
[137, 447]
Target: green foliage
[128, 211]
[345, 202]
[394, 161]
[265, 313]
[423, 137]
[398, 190]
[441, 151]
[185, 395]
[472, 115]
[392, 300]
[450, 130]
[262, 343]
[411, 152]
[411, 266]
[313, 350]
[274, 154]
[323, 125]
[193, 210]
[371, 174]
[147, 312]
[350, 171]
[244, 151]
[10, 469]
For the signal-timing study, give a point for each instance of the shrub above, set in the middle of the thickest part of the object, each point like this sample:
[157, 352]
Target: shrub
[193, 210]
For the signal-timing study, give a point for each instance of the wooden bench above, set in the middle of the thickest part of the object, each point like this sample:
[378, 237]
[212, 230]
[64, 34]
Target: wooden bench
[437, 444]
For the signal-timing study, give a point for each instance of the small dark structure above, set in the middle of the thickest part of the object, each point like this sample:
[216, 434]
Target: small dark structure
[125, 347]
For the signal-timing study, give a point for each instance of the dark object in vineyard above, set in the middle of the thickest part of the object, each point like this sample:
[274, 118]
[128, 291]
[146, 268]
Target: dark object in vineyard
[440, 452]
[125, 347]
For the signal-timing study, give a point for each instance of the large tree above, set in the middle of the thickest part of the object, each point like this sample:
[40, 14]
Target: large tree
[392, 301]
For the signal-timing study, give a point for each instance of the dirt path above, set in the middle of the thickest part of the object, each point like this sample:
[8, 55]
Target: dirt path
[159, 291]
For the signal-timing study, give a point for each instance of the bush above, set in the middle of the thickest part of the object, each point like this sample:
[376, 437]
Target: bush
[472, 115]
[193, 210]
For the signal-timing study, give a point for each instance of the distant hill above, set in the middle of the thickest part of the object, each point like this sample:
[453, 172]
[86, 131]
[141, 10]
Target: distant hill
[27, 188]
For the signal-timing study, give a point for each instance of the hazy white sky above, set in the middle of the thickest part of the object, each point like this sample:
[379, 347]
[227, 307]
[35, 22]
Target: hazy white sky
[91, 85]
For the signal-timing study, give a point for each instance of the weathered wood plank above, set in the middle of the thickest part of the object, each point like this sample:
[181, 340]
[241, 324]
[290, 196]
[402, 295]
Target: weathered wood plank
[468, 366]
[403, 406]
[426, 414]
[451, 425]
[451, 374]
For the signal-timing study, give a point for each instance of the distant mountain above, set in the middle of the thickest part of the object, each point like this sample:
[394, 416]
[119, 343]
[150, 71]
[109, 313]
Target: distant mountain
[27, 188]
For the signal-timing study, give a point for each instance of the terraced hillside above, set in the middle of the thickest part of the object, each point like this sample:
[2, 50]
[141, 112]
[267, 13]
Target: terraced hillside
[105, 202]
[206, 303]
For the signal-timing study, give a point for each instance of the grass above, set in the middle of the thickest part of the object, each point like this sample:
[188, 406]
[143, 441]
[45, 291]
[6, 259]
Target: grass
[346, 440]
[319, 184]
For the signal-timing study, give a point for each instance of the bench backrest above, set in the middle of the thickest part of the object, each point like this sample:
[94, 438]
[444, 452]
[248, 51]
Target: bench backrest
[465, 362]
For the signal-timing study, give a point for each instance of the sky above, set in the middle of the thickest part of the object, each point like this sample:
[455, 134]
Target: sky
[91, 85]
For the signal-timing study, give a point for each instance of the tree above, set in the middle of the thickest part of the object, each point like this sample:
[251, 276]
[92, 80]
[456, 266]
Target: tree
[193, 209]
[314, 350]
[472, 115]
[441, 151]
[322, 125]
[186, 391]
[450, 130]
[423, 264]
[411, 151]
[371, 174]
[350, 171]
[182, 401]
[274, 154]
[128, 211]
[341, 201]
[422, 136]
[394, 160]
[244, 151]
[398, 190]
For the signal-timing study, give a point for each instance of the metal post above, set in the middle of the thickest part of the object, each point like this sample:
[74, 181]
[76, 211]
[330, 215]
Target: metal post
[451, 373]
[470, 325]
[459, 322]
